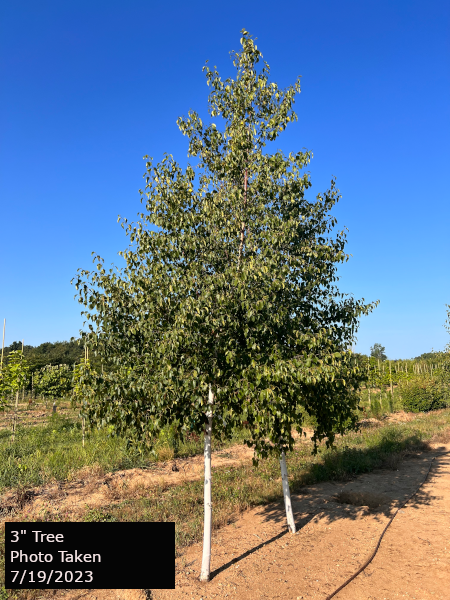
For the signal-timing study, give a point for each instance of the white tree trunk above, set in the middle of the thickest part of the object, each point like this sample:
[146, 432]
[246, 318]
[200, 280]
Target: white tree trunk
[287, 494]
[15, 417]
[83, 429]
[207, 525]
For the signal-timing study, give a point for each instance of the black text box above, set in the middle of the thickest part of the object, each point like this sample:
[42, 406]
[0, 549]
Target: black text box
[90, 555]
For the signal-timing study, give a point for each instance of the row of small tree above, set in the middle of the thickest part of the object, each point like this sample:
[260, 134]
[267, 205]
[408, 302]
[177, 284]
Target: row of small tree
[17, 375]
[389, 373]
[52, 381]
[423, 383]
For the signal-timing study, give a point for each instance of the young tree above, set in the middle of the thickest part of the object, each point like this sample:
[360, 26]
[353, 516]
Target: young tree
[227, 309]
[447, 325]
[378, 351]
[81, 391]
[5, 389]
[54, 381]
[16, 377]
[445, 360]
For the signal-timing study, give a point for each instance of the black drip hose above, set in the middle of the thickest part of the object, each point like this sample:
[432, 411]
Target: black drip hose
[369, 560]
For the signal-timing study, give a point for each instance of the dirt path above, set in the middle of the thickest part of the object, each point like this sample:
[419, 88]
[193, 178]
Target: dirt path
[255, 558]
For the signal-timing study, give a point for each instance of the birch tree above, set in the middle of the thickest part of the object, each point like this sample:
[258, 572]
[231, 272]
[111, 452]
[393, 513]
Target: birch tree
[227, 308]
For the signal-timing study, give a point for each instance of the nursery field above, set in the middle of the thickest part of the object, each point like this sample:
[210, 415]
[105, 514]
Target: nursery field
[49, 446]
[214, 385]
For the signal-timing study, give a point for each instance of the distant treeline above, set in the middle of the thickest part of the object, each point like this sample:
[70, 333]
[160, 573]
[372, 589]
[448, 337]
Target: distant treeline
[70, 353]
[57, 353]
[424, 356]
[428, 356]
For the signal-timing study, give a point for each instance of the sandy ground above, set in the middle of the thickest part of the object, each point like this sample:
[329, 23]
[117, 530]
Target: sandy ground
[256, 558]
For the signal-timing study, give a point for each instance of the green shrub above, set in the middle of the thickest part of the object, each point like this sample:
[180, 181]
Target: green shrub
[423, 395]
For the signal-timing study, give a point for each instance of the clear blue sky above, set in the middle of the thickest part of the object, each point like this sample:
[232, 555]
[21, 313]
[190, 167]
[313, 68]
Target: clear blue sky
[90, 87]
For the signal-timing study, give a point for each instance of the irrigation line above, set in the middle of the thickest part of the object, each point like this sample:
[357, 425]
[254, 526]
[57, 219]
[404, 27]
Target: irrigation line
[369, 560]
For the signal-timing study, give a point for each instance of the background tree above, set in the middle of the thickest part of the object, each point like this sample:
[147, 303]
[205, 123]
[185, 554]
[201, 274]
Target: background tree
[40, 360]
[428, 356]
[48, 353]
[5, 389]
[54, 381]
[229, 310]
[16, 377]
[378, 351]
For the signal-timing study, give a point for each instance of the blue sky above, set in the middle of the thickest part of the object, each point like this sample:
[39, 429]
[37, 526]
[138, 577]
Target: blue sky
[90, 87]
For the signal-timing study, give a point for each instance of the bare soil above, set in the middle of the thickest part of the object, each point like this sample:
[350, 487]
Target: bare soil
[256, 558]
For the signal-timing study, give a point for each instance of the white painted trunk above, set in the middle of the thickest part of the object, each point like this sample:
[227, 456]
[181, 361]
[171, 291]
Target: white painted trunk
[207, 524]
[83, 428]
[15, 417]
[287, 494]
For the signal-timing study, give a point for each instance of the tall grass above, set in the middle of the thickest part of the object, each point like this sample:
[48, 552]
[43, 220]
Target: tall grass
[42, 454]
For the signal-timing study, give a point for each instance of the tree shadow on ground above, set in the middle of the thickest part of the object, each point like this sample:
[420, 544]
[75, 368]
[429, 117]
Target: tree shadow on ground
[377, 493]
[300, 523]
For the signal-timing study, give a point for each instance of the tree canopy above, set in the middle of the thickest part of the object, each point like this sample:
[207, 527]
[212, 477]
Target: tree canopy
[378, 351]
[230, 282]
[54, 381]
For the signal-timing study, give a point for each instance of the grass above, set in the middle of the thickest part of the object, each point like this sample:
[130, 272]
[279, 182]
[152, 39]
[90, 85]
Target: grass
[54, 451]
